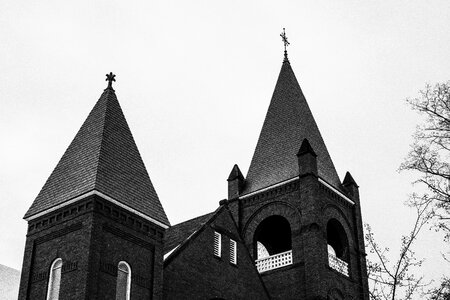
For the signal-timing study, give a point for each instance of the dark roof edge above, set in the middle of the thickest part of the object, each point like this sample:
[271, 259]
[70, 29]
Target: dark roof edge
[248, 252]
[269, 187]
[336, 191]
[184, 244]
[106, 92]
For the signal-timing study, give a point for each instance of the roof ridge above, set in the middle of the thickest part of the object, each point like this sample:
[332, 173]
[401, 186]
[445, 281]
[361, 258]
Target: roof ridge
[119, 159]
[106, 92]
[195, 218]
[192, 235]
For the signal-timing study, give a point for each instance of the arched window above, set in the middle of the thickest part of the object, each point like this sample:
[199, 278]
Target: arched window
[272, 245]
[338, 250]
[272, 236]
[337, 240]
[123, 287]
[54, 281]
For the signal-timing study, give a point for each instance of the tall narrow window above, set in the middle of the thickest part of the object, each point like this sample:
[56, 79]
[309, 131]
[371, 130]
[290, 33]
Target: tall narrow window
[217, 244]
[123, 281]
[233, 252]
[54, 281]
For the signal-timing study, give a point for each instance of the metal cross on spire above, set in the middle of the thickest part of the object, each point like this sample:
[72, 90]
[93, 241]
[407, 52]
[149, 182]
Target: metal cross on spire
[110, 78]
[285, 42]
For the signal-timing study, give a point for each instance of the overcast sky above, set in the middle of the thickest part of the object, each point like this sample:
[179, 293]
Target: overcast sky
[194, 79]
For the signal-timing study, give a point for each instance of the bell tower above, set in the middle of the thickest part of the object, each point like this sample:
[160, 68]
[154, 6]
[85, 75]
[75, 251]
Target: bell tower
[301, 224]
[95, 230]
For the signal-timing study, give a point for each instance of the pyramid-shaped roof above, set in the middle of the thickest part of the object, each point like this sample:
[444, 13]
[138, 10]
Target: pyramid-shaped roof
[102, 157]
[288, 122]
[235, 173]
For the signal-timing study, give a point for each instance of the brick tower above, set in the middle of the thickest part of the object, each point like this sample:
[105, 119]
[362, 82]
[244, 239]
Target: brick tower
[301, 224]
[97, 224]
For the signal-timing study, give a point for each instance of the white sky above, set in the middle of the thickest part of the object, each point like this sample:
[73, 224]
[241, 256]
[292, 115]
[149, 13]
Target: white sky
[195, 78]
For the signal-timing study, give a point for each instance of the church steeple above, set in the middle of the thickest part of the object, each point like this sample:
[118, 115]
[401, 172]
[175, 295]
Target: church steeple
[97, 215]
[292, 186]
[102, 157]
[288, 122]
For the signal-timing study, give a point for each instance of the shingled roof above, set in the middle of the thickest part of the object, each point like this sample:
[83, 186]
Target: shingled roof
[288, 122]
[103, 157]
[178, 233]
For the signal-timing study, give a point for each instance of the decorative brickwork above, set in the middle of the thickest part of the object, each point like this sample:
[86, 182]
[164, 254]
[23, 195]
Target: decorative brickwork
[335, 196]
[43, 275]
[58, 233]
[59, 216]
[108, 268]
[290, 218]
[126, 218]
[69, 266]
[271, 193]
[91, 236]
[123, 235]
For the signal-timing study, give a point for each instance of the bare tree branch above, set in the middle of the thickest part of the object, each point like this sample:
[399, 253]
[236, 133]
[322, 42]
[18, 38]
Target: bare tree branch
[430, 152]
[388, 280]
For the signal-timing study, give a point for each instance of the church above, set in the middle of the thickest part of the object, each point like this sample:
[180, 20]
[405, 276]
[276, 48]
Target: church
[289, 229]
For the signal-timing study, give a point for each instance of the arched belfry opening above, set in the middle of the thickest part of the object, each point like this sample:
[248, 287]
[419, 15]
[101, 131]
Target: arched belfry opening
[337, 246]
[272, 244]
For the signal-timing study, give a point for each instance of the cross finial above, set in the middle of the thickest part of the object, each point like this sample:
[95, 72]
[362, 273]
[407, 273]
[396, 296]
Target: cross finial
[285, 42]
[110, 78]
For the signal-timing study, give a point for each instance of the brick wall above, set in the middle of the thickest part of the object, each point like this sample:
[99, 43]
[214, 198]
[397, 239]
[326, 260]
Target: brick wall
[195, 273]
[92, 236]
[307, 205]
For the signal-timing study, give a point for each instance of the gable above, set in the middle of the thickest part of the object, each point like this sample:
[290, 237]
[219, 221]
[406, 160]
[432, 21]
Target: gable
[194, 271]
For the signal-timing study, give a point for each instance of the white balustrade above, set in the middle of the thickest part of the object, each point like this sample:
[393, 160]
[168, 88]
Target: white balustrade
[274, 261]
[338, 264]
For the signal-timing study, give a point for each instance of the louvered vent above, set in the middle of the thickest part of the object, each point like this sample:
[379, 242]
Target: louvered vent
[217, 244]
[233, 252]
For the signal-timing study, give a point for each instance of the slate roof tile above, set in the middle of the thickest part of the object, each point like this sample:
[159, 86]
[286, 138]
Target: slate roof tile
[288, 122]
[178, 233]
[104, 157]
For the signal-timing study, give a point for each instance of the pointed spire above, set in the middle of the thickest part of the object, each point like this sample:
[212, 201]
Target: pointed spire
[348, 180]
[235, 182]
[307, 159]
[306, 148]
[351, 187]
[235, 173]
[288, 122]
[102, 157]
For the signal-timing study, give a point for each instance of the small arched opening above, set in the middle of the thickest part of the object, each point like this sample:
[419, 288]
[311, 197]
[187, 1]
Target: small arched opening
[337, 246]
[123, 284]
[272, 243]
[54, 282]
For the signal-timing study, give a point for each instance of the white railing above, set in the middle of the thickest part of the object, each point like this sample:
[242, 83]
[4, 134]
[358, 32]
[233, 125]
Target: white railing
[338, 264]
[274, 261]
